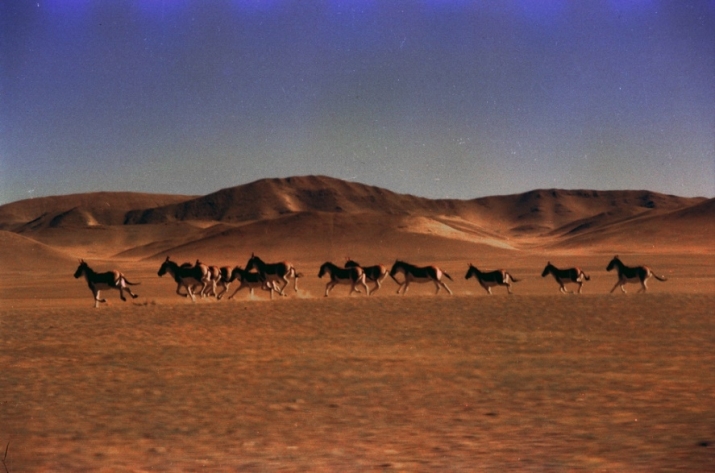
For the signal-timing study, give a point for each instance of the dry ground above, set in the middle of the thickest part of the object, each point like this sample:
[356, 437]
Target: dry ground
[533, 382]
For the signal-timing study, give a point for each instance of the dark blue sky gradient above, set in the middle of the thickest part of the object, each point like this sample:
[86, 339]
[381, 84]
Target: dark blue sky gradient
[436, 98]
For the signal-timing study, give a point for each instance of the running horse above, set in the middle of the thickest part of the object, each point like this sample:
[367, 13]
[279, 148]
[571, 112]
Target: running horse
[490, 279]
[274, 272]
[100, 281]
[566, 276]
[187, 276]
[353, 275]
[376, 273]
[635, 274]
[250, 280]
[419, 275]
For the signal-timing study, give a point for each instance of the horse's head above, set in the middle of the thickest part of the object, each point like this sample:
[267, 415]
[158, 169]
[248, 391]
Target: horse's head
[254, 262]
[614, 262]
[472, 271]
[165, 266]
[549, 267]
[323, 269]
[81, 269]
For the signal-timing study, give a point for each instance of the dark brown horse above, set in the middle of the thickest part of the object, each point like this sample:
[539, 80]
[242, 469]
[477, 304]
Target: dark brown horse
[637, 274]
[490, 279]
[277, 272]
[419, 275]
[186, 276]
[353, 275]
[100, 281]
[250, 280]
[566, 276]
[376, 273]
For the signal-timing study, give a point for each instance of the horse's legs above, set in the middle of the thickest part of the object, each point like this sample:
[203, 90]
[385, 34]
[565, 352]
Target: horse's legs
[179, 286]
[225, 290]
[191, 293]
[123, 287]
[281, 290]
[97, 299]
[367, 289]
[377, 286]
[644, 287]
[580, 286]
[234, 292]
[486, 288]
[448, 289]
[328, 287]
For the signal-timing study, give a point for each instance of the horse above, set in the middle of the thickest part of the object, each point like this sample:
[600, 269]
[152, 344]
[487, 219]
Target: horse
[376, 273]
[186, 276]
[490, 279]
[251, 281]
[274, 272]
[338, 275]
[632, 274]
[214, 279]
[108, 280]
[566, 276]
[418, 275]
[223, 280]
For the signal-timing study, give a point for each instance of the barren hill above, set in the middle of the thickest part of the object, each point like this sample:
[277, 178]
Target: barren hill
[316, 216]
[90, 209]
[271, 198]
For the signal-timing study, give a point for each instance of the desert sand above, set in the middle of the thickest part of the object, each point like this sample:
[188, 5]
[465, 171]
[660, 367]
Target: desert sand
[535, 381]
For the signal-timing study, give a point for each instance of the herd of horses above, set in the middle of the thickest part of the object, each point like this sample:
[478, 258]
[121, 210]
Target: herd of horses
[202, 280]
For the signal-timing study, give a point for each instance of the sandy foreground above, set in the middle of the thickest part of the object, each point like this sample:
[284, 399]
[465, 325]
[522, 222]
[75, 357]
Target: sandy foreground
[537, 381]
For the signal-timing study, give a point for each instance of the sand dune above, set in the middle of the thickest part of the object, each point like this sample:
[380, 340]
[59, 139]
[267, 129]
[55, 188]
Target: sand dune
[19, 253]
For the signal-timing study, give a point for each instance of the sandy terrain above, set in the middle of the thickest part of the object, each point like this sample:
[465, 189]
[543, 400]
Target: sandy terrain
[537, 381]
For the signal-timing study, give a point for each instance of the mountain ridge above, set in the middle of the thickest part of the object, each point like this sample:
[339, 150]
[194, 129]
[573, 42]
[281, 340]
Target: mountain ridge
[258, 212]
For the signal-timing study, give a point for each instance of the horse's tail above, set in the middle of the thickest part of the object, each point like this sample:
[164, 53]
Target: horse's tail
[131, 283]
[513, 279]
[660, 278]
[586, 276]
[448, 276]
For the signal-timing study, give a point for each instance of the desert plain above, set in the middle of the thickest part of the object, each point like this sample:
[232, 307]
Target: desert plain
[534, 381]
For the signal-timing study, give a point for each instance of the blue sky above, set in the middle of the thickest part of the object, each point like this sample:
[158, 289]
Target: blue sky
[455, 99]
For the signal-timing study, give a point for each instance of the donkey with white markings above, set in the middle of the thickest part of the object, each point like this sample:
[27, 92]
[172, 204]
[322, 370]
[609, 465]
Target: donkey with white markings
[275, 272]
[376, 274]
[566, 276]
[353, 276]
[490, 279]
[418, 274]
[637, 274]
[186, 276]
[100, 281]
[250, 280]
